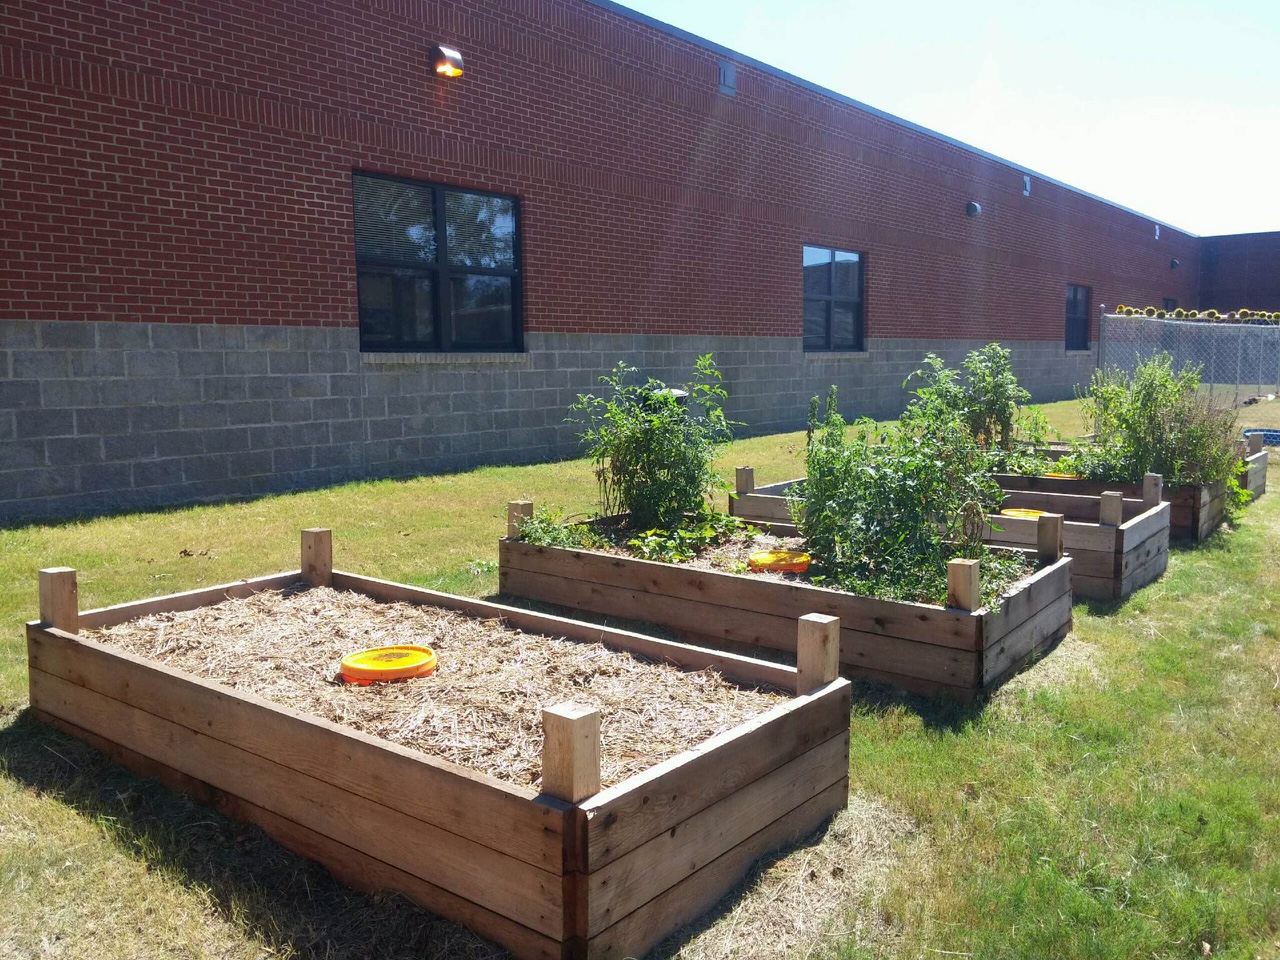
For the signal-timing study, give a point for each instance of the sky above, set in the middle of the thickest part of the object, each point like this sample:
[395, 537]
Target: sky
[1168, 107]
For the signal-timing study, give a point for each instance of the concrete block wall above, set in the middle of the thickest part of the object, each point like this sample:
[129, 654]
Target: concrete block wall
[100, 416]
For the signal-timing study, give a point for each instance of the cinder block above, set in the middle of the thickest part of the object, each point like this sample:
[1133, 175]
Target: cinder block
[97, 363]
[150, 363]
[175, 336]
[40, 424]
[123, 336]
[67, 335]
[40, 364]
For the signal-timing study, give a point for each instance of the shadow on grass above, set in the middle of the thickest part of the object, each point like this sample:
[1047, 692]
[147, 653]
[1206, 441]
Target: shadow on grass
[293, 907]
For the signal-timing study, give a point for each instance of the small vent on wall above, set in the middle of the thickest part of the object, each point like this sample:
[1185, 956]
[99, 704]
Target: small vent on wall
[1026, 186]
[728, 78]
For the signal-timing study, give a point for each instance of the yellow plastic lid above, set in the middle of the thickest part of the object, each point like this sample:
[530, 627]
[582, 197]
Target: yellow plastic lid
[1025, 512]
[1064, 476]
[779, 561]
[388, 663]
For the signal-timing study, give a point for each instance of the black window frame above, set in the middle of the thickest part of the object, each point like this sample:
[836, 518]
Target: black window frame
[447, 337]
[1077, 323]
[831, 299]
[1169, 305]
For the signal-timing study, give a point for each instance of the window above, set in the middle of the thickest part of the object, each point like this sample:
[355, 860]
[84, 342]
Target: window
[436, 267]
[1077, 317]
[833, 299]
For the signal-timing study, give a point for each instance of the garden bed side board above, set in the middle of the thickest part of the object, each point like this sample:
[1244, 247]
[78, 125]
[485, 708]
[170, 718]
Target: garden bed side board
[919, 647]
[1116, 544]
[1108, 561]
[551, 875]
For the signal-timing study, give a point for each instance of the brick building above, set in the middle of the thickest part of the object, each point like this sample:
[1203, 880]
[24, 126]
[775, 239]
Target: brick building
[252, 245]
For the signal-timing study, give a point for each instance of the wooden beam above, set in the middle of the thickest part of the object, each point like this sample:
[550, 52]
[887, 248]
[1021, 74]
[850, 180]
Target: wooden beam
[1111, 509]
[60, 599]
[317, 556]
[1256, 441]
[1049, 528]
[570, 752]
[1152, 489]
[517, 512]
[745, 480]
[964, 585]
[817, 652]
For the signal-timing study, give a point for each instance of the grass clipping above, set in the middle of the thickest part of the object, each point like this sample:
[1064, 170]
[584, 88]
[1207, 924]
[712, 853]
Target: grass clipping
[482, 708]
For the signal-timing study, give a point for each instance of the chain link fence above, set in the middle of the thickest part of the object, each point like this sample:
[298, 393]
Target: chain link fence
[1237, 360]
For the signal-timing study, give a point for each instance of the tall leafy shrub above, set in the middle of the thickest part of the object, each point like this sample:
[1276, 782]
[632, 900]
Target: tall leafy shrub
[883, 513]
[654, 449]
[986, 400]
[1155, 420]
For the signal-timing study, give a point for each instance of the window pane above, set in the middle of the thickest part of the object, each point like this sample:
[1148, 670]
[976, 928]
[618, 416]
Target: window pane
[482, 230]
[844, 326]
[482, 311]
[394, 221]
[377, 308]
[817, 272]
[419, 309]
[815, 324]
[848, 276]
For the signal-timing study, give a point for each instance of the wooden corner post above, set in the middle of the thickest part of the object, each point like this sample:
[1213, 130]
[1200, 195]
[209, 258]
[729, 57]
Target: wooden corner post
[1111, 508]
[1256, 442]
[517, 512]
[817, 652]
[317, 556]
[1049, 536]
[60, 599]
[570, 751]
[745, 480]
[964, 584]
[1152, 490]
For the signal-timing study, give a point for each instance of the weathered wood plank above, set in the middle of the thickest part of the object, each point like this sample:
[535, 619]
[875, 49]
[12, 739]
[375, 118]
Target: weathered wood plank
[1033, 594]
[526, 894]
[631, 881]
[1017, 646]
[1092, 563]
[1147, 573]
[1095, 588]
[915, 621]
[735, 667]
[189, 600]
[1143, 526]
[1141, 554]
[701, 619]
[757, 506]
[458, 800]
[637, 933]
[909, 658]
[352, 867]
[622, 817]
[1076, 535]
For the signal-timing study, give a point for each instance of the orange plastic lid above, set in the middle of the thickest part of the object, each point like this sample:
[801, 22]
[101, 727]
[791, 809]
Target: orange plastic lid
[779, 561]
[388, 663]
[1027, 513]
[1064, 476]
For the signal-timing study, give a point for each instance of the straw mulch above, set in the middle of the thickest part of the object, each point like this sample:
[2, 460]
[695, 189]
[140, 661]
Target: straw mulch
[481, 708]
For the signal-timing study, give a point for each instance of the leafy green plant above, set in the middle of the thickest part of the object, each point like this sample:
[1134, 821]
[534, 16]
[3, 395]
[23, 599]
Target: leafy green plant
[1155, 420]
[550, 528]
[688, 540]
[882, 513]
[984, 396]
[654, 448]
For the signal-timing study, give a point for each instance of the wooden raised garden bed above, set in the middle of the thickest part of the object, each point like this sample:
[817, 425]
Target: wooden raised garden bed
[958, 651]
[1197, 509]
[1116, 544]
[573, 871]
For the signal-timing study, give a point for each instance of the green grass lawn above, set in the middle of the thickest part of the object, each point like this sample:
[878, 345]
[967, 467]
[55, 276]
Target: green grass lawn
[1122, 799]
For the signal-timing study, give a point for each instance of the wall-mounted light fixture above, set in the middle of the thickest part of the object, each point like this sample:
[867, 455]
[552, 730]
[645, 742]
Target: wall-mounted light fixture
[973, 209]
[446, 61]
[1173, 264]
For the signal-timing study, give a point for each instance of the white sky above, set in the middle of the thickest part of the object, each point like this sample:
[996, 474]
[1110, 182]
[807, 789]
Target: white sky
[1170, 107]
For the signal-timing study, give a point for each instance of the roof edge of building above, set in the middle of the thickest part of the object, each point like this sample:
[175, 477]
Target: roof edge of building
[741, 58]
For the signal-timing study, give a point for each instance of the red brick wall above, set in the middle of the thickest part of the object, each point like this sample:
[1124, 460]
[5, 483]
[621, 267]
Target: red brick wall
[189, 161]
[1241, 271]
